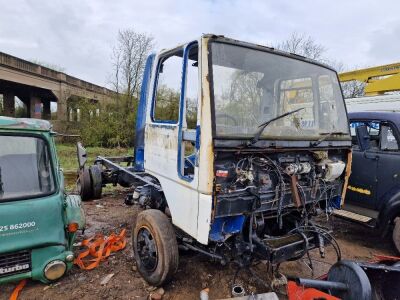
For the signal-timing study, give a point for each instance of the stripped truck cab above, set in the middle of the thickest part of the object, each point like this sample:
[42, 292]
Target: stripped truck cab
[237, 148]
[38, 221]
[166, 136]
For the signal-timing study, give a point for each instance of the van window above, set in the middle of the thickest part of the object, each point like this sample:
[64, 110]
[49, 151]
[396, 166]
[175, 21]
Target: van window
[25, 168]
[166, 104]
[373, 130]
[388, 139]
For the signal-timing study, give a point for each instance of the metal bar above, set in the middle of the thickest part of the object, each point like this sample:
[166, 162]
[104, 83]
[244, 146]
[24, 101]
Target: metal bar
[322, 284]
[215, 256]
[122, 169]
[118, 159]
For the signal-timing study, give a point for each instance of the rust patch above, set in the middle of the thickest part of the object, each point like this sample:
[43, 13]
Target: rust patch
[295, 191]
[347, 176]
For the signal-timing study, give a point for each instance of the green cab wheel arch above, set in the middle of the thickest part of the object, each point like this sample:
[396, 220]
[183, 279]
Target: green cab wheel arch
[74, 212]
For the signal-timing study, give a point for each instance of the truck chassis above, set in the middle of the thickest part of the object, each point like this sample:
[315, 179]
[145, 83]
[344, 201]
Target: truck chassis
[243, 251]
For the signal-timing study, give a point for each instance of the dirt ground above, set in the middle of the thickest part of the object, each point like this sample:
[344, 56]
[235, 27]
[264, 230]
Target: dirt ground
[196, 272]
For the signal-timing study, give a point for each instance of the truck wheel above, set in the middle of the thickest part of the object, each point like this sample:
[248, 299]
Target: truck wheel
[84, 184]
[97, 184]
[155, 247]
[396, 234]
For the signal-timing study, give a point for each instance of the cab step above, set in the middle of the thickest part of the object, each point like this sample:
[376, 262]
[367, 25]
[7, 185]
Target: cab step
[341, 213]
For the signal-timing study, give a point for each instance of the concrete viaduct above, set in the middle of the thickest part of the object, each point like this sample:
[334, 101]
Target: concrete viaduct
[37, 86]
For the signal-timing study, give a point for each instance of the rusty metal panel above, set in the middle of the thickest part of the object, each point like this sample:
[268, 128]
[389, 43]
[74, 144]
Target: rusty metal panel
[206, 160]
[347, 176]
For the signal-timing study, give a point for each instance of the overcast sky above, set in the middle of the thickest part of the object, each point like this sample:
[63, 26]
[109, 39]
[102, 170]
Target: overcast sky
[78, 35]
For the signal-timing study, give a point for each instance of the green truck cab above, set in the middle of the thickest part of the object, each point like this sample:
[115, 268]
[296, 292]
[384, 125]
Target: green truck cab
[38, 220]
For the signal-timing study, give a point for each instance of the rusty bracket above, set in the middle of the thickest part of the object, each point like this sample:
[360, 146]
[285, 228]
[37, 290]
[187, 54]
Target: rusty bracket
[295, 191]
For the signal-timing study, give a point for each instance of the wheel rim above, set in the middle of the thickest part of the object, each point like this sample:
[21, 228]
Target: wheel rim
[147, 249]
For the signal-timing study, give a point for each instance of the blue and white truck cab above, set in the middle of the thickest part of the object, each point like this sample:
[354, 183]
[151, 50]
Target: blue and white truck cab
[238, 146]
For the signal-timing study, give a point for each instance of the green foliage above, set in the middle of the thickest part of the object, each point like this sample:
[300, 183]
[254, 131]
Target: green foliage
[243, 98]
[21, 112]
[111, 125]
[191, 115]
[167, 104]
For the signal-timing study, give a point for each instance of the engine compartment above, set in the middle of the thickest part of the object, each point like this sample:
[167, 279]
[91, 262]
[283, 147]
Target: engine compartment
[278, 183]
[264, 203]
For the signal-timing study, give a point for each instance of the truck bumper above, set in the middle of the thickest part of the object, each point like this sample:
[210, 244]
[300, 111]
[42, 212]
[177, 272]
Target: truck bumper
[39, 258]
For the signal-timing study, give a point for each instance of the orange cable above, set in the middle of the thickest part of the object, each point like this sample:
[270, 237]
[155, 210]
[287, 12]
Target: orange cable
[99, 247]
[18, 288]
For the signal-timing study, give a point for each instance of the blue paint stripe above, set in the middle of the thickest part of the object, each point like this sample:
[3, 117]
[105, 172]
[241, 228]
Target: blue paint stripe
[141, 115]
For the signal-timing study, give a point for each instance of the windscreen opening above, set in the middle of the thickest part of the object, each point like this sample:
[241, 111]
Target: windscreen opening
[253, 86]
[25, 168]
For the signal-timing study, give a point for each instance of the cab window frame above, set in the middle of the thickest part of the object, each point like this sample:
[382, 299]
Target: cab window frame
[160, 60]
[182, 123]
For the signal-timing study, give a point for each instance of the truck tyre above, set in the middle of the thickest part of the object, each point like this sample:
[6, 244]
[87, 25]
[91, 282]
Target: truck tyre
[84, 184]
[155, 247]
[396, 234]
[97, 183]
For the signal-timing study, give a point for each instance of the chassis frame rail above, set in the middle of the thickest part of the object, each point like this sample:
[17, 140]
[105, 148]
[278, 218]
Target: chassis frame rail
[111, 163]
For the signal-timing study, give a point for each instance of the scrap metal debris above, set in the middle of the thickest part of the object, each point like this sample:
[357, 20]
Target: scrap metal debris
[106, 279]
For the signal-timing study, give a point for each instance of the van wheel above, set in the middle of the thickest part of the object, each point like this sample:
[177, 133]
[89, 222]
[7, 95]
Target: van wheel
[97, 181]
[396, 234]
[84, 184]
[155, 247]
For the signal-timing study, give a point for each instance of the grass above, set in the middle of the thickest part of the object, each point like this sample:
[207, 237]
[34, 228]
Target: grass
[69, 161]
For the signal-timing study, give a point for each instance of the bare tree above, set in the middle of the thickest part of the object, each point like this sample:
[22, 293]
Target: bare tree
[129, 58]
[353, 89]
[302, 44]
[306, 46]
[117, 65]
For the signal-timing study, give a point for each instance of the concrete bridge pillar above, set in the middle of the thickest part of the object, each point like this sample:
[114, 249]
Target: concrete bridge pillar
[62, 97]
[62, 112]
[35, 107]
[9, 104]
[46, 110]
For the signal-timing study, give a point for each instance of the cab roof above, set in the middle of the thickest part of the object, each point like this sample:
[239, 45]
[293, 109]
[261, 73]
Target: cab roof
[24, 124]
[222, 38]
[390, 116]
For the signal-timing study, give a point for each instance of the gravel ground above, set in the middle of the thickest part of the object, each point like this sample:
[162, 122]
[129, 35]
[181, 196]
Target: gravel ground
[196, 272]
